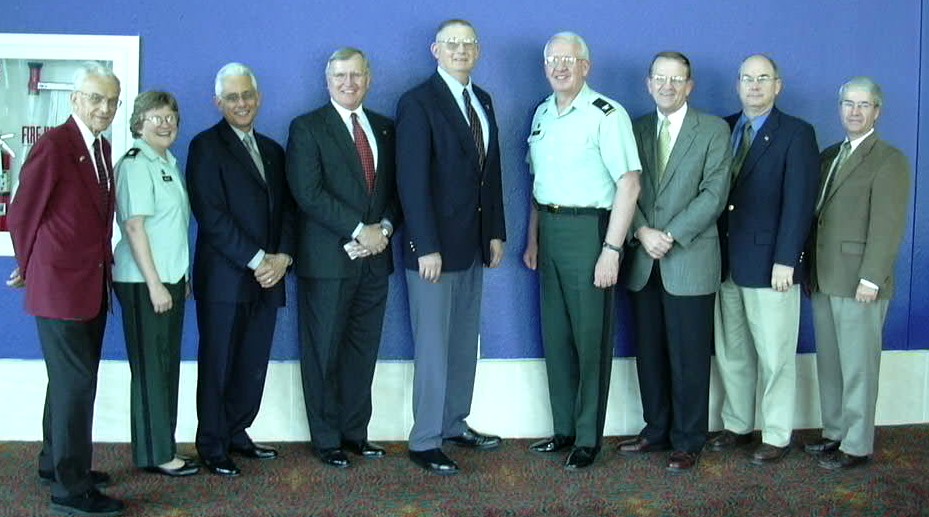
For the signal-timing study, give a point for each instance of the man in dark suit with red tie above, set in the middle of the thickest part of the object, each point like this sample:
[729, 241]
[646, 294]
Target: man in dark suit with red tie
[61, 223]
[340, 167]
[448, 177]
[238, 193]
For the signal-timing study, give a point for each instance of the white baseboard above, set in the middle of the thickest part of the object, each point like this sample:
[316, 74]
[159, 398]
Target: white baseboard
[510, 399]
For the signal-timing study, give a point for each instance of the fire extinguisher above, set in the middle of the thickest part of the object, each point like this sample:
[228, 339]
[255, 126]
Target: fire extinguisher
[6, 156]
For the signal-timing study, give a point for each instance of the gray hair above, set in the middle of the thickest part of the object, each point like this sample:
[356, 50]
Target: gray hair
[88, 69]
[570, 37]
[233, 70]
[146, 102]
[863, 83]
[346, 53]
[454, 22]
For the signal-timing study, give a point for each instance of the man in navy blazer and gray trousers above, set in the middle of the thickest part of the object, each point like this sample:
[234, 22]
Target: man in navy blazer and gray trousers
[239, 195]
[448, 178]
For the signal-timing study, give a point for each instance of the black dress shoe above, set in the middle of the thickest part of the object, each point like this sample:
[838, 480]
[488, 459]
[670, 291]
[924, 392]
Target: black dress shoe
[189, 468]
[841, 461]
[766, 453]
[475, 440]
[333, 458]
[822, 446]
[222, 466]
[580, 457]
[727, 440]
[364, 448]
[434, 461]
[682, 461]
[255, 451]
[641, 444]
[100, 479]
[555, 443]
[91, 502]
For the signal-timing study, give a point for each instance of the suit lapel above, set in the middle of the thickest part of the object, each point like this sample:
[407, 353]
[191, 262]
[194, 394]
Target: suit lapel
[237, 148]
[650, 146]
[448, 106]
[382, 136]
[851, 163]
[88, 172]
[346, 143]
[763, 139]
[685, 140]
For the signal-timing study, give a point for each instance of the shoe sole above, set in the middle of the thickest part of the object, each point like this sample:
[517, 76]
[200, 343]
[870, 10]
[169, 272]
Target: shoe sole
[68, 510]
[48, 482]
[768, 461]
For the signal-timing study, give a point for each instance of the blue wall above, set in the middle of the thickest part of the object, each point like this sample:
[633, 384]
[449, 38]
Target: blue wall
[818, 45]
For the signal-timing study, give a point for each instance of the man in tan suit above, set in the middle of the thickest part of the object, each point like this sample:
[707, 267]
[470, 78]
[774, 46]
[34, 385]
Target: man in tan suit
[861, 215]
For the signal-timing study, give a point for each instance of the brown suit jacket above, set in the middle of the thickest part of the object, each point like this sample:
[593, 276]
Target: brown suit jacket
[860, 225]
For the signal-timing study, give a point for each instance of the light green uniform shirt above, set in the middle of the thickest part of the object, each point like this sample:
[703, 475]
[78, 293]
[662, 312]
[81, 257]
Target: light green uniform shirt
[578, 156]
[150, 186]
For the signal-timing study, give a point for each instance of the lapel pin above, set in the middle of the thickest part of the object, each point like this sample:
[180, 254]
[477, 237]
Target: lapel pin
[766, 138]
[80, 160]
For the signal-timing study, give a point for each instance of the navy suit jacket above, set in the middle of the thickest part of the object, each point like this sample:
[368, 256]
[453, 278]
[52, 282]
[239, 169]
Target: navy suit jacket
[238, 213]
[328, 184]
[450, 205]
[771, 201]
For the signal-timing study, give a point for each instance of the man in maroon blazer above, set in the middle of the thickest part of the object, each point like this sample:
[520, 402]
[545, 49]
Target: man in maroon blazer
[61, 222]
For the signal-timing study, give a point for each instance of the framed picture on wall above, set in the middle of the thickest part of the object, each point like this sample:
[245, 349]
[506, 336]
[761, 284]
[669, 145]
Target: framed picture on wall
[36, 73]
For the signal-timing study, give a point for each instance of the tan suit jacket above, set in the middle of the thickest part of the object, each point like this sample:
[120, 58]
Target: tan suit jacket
[860, 225]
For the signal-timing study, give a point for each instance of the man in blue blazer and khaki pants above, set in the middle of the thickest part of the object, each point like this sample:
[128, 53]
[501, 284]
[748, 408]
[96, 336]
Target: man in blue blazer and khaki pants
[448, 178]
[763, 230]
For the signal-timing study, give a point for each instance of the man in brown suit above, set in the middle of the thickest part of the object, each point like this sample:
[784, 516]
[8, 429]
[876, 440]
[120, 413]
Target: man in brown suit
[861, 214]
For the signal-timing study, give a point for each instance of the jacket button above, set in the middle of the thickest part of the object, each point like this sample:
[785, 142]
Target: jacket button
[731, 207]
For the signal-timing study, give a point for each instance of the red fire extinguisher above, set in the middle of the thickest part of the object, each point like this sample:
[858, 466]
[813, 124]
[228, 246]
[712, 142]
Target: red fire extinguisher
[5, 184]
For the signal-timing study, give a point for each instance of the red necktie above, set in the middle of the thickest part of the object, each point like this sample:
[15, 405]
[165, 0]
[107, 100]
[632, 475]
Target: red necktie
[103, 181]
[364, 152]
[476, 132]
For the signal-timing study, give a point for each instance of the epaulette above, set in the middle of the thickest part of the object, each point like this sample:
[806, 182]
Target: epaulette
[539, 104]
[604, 106]
[132, 153]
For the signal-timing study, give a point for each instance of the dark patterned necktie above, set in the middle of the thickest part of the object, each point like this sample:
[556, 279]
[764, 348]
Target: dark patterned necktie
[103, 179]
[364, 152]
[476, 132]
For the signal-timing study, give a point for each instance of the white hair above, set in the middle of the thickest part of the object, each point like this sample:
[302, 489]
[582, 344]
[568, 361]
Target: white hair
[570, 37]
[233, 70]
[91, 69]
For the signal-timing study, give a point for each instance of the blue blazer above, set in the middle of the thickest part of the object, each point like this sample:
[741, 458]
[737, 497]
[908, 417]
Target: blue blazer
[237, 213]
[450, 205]
[771, 202]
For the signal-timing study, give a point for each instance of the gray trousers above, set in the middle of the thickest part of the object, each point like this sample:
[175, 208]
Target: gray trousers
[849, 339]
[445, 317]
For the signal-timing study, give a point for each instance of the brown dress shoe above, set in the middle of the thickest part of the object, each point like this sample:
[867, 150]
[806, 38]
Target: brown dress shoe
[727, 440]
[682, 461]
[841, 461]
[640, 444]
[822, 446]
[766, 453]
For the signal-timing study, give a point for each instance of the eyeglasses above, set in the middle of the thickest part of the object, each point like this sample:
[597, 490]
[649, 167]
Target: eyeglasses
[762, 79]
[96, 99]
[456, 44]
[340, 77]
[159, 119]
[246, 96]
[676, 80]
[558, 61]
[862, 105]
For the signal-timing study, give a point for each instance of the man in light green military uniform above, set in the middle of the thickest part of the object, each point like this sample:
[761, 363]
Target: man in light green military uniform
[583, 157]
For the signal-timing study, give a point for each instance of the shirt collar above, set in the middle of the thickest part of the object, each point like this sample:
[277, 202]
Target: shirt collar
[153, 155]
[346, 114]
[856, 142]
[676, 119]
[86, 133]
[454, 85]
[241, 134]
[582, 98]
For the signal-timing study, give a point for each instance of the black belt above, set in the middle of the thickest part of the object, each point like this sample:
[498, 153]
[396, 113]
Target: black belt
[572, 210]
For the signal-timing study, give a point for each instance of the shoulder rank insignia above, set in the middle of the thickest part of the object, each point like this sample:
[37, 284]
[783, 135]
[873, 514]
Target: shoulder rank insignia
[132, 153]
[604, 106]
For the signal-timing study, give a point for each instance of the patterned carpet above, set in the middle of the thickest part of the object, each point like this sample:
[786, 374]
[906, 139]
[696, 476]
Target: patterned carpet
[510, 481]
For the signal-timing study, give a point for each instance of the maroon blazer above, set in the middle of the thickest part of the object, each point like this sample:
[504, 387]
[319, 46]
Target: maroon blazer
[62, 228]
